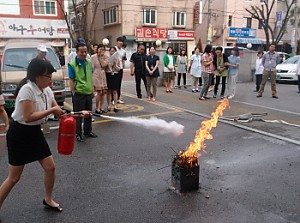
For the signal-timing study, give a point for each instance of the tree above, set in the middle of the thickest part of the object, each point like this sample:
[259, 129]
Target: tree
[263, 15]
[81, 18]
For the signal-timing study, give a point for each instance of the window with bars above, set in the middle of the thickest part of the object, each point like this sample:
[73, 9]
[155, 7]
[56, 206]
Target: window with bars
[44, 7]
[179, 19]
[149, 17]
[110, 16]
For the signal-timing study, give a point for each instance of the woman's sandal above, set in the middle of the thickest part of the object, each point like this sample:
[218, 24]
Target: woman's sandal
[58, 208]
[97, 111]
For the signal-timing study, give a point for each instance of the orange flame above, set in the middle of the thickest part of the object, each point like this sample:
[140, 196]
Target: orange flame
[203, 134]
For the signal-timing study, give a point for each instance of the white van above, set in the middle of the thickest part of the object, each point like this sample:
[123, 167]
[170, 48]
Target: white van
[15, 59]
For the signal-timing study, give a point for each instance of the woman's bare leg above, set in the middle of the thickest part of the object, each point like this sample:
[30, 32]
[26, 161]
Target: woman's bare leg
[14, 175]
[49, 179]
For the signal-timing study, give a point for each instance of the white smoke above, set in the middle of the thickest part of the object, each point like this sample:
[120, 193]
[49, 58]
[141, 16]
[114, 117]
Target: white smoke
[154, 124]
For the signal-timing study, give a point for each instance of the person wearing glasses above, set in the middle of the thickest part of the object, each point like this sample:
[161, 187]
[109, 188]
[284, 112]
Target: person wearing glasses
[25, 140]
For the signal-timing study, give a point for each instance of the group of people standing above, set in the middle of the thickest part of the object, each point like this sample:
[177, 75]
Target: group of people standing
[145, 67]
[204, 68]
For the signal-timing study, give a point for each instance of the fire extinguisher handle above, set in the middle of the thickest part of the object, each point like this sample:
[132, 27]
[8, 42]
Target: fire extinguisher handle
[76, 113]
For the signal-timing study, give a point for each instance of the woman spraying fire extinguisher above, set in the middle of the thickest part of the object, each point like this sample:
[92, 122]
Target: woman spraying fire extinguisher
[25, 140]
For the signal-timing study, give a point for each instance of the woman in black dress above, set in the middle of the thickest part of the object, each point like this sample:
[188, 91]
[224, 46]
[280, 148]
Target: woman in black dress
[25, 140]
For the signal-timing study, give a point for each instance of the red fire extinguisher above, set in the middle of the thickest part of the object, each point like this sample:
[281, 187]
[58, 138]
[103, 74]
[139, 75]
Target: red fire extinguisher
[66, 135]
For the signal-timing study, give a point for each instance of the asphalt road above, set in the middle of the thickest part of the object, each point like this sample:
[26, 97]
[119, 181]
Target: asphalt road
[249, 173]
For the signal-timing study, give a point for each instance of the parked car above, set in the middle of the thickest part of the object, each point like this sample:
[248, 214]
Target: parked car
[16, 57]
[286, 72]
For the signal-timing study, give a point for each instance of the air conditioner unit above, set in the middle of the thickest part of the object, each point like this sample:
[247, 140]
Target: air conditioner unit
[74, 28]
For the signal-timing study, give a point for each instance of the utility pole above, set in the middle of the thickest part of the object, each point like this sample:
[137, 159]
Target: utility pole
[209, 25]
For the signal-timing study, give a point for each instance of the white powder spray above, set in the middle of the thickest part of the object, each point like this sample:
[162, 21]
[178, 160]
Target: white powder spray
[154, 124]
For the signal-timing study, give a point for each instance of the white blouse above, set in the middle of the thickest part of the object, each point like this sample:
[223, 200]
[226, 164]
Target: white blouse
[42, 100]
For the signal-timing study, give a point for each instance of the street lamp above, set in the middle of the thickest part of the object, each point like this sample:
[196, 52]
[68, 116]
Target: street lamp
[158, 43]
[105, 42]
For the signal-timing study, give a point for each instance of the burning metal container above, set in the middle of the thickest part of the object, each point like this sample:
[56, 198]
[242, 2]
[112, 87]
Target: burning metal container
[185, 174]
[185, 167]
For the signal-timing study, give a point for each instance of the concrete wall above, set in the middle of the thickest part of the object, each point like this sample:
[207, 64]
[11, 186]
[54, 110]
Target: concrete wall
[247, 66]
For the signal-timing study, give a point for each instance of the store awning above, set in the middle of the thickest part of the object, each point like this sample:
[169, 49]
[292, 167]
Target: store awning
[249, 40]
[130, 38]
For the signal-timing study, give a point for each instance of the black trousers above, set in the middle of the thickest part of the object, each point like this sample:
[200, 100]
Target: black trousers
[298, 83]
[120, 73]
[179, 78]
[218, 78]
[83, 102]
[258, 81]
[139, 76]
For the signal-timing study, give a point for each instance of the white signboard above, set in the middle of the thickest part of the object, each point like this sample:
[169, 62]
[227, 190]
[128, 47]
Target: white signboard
[33, 28]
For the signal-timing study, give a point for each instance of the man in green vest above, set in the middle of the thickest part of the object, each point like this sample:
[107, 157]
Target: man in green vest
[81, 86]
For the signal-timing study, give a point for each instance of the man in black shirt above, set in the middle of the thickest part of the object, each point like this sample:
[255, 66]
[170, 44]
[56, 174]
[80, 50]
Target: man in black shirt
[137, 68]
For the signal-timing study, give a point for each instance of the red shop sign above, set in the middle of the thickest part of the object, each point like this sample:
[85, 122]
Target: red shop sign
[149, 32]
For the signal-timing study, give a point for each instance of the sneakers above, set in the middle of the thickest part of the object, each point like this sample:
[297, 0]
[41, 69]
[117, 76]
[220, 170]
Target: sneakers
[230, 97]
[214, 96]
[194, 90]
[197, 90]
[222, 96]
[120, 102]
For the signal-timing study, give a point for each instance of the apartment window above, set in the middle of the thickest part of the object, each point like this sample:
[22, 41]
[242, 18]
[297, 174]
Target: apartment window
[44, 7]
[230, 21]
[247, 22]
[179, 19]
[260, 24]
[110, 16]
[149, 17]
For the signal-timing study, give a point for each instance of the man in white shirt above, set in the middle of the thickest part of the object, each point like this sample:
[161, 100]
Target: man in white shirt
[122, 58]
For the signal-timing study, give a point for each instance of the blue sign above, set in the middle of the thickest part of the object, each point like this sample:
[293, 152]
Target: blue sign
[242, 32]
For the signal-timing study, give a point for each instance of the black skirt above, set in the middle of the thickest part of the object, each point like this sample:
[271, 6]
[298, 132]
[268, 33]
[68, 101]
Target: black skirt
[26, 144]
[113, 81]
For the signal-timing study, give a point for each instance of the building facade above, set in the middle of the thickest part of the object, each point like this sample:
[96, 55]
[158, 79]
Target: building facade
[145, 22]
[33, 19]
[228, 23]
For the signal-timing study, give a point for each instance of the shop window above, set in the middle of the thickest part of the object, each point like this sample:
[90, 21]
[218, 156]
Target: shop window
[179, 19]
[149, 17]
[110, 16]
[44, 7]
